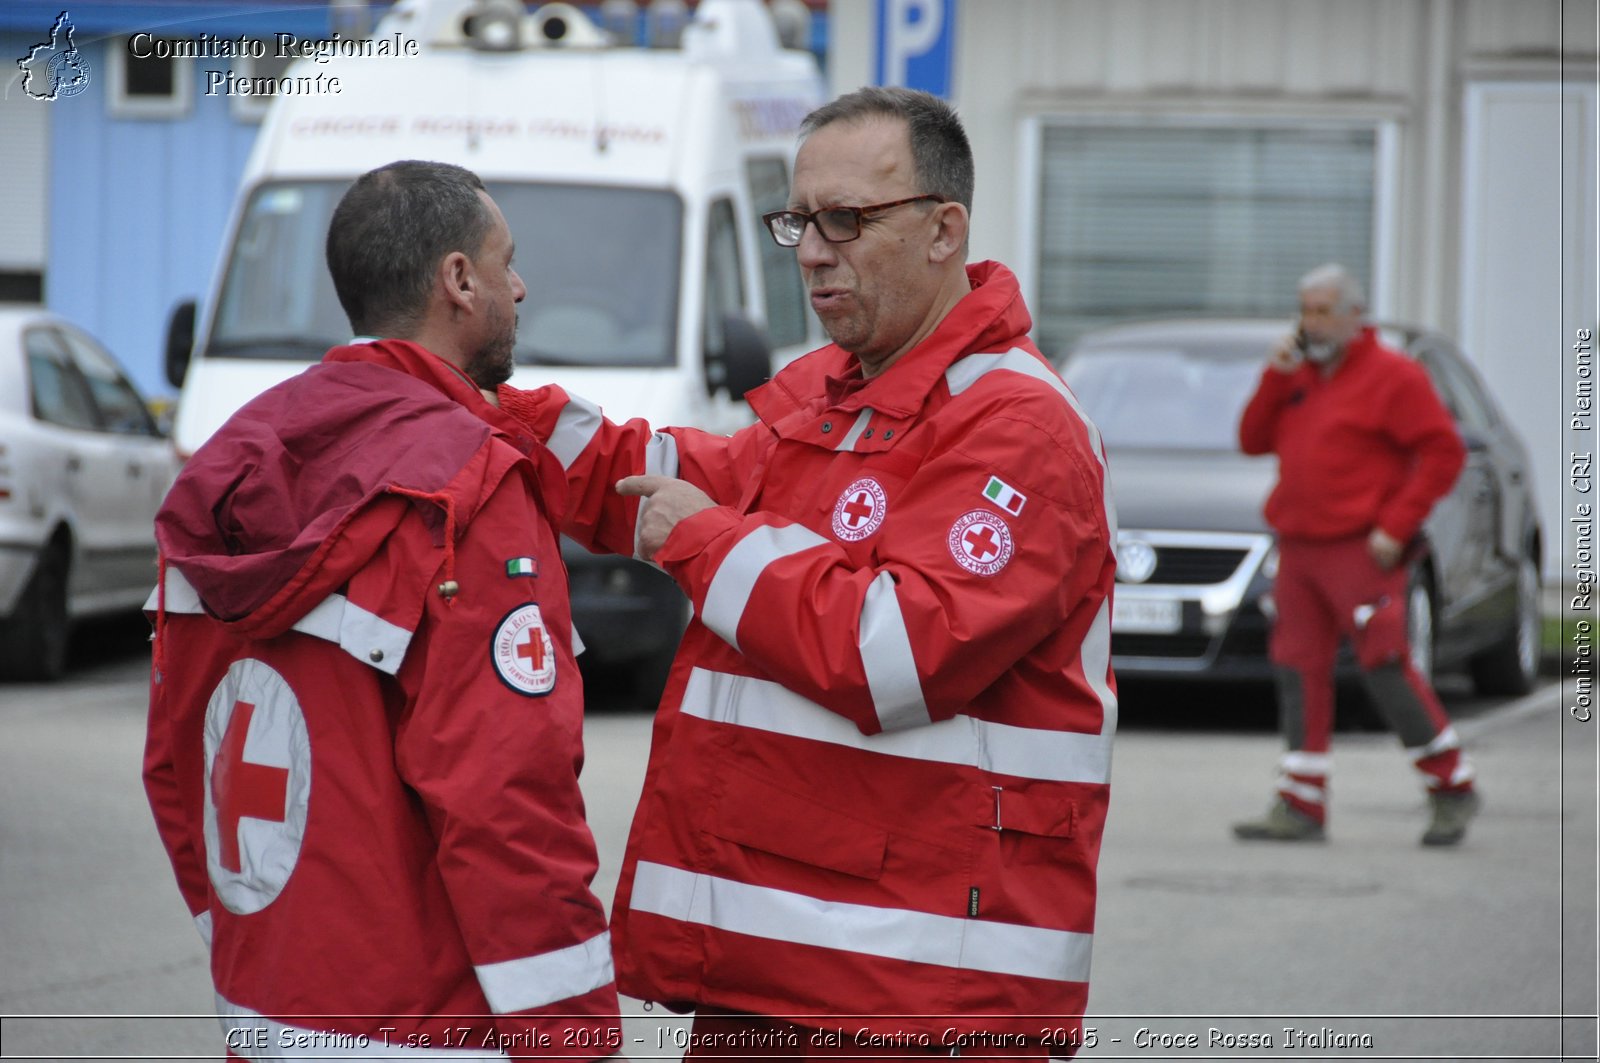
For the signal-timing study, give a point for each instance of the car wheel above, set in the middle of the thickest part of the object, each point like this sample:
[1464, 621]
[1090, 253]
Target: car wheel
[1419, 625]
[1511, 665]
[33, 639]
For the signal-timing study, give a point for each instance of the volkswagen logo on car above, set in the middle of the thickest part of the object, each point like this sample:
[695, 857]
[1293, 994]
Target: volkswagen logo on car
[1136, 560]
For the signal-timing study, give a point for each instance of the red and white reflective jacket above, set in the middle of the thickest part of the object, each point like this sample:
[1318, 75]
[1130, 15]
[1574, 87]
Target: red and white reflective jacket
[879, 776]
[369, 790]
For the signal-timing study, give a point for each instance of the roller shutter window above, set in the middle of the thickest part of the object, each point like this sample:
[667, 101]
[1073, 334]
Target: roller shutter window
[1161, 221]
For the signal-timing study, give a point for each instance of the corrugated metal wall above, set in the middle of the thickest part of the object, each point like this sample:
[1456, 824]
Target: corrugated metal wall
[24, 144]
[1406, 69]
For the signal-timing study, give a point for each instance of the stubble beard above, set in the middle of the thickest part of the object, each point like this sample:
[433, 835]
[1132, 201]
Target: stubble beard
[491, 364]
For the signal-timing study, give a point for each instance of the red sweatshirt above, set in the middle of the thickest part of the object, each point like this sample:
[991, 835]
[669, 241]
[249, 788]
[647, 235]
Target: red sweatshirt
[1369, 447]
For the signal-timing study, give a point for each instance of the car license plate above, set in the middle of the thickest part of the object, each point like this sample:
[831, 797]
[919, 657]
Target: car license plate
[1146, 616]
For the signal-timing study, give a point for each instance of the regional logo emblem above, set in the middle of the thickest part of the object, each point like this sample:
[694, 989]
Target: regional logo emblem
[860, 510]
[55, 69]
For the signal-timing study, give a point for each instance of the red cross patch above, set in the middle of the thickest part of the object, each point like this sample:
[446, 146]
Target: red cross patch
[860, 510]
[524, 656]
[980, 542]
[257, 786]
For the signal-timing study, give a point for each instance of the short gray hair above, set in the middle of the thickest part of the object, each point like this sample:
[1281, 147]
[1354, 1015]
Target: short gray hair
[1339, 279]
[940, 151]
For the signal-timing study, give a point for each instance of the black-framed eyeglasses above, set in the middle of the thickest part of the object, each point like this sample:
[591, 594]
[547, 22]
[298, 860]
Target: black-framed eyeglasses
[837, 225]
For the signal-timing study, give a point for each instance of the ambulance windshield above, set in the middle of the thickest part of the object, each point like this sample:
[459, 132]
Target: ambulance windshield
[600, 264]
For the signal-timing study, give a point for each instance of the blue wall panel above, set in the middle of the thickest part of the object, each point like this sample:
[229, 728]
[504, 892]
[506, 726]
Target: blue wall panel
[137, 213]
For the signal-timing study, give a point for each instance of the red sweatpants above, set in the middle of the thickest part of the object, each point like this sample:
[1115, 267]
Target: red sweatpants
[1327, 591]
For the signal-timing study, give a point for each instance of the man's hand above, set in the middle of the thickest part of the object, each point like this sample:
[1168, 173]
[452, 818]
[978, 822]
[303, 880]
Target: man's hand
[666, 502]
[1384, 548]
[1286, 356]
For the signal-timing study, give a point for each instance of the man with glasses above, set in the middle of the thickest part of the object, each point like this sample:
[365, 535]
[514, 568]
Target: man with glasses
[873, 809]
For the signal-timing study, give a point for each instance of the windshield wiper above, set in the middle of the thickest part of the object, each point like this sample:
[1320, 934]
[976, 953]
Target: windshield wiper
[300, 348]
[533, 356]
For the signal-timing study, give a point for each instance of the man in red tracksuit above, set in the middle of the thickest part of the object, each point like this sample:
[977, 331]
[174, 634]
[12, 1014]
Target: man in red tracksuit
[1365, 449]
[365, 712]
[879, 776]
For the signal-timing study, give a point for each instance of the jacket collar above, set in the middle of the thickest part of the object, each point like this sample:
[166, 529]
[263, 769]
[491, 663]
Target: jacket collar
[990, 315]
[417, 361]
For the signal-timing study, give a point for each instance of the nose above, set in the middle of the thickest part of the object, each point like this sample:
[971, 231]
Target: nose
[813, 251]
[519, 291]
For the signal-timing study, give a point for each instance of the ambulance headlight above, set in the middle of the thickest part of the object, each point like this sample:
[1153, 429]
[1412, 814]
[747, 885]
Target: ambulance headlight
[493, 26]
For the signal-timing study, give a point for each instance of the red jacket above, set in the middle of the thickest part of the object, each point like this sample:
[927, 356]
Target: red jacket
[1369, 447]
[879, 775]
[369, 789]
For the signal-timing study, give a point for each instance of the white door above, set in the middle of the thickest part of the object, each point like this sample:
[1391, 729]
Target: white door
[1528, 266]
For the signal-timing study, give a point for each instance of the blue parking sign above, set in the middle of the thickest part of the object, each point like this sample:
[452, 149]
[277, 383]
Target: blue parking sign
[914, 44]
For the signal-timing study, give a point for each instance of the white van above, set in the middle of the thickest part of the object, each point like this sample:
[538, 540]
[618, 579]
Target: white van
[633, 180]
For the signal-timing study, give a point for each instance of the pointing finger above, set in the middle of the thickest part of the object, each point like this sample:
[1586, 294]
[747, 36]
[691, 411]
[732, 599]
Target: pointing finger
[644, 486]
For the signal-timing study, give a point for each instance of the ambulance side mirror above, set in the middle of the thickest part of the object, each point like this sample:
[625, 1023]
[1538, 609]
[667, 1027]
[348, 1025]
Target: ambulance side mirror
[745, 361]
[180, 341]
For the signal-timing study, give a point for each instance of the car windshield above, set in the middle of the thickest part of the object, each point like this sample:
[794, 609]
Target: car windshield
[601, 266]
[1164, 398]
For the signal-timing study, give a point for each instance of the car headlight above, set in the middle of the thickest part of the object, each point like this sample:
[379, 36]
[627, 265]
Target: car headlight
[1269, 564]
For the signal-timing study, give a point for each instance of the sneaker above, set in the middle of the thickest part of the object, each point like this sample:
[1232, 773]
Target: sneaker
[1451, 814]
[1281, 824]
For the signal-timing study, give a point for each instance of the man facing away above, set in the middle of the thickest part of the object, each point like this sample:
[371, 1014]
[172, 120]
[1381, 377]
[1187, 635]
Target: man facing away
[365, 715]
[880, 771]
[1365, 449]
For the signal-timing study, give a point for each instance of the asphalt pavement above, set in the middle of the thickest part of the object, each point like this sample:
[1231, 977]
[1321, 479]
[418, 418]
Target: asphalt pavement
[1367, 947]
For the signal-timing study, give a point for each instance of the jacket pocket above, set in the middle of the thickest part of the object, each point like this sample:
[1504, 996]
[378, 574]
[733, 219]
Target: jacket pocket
[756, 815]
[1035, 824]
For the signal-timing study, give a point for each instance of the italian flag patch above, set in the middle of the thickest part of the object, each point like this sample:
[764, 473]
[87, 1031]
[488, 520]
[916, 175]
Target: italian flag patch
[1005, 496]
[522, 566]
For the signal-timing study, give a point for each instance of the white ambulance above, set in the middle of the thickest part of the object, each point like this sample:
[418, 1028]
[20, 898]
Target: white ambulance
[633, 180]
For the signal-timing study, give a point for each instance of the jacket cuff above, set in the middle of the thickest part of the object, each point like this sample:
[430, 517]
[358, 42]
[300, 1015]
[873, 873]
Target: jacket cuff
[687, 555]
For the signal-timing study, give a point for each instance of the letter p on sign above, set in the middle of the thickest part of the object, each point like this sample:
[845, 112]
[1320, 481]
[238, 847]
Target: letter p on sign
[914, 44]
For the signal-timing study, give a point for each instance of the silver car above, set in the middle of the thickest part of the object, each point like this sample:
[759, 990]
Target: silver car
[83, 467]
[1195, 556]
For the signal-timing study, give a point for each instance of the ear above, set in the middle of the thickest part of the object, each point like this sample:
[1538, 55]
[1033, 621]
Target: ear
[951, 236]
[456, 281]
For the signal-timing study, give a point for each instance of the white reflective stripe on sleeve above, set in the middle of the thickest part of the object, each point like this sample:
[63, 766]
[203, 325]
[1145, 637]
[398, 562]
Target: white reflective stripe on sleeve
[1095, 655]
[968, 371]
[1298, 763]
[661, 455]
[891, 933]
[1445, 741]
[535, 981]
[251, 1035]
[181, 595]
[578, 422]
[202, 923]
[363, 634]
[736, 577]
[887, 659]
[1031, 753]
[863, 419]
[660, 459]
